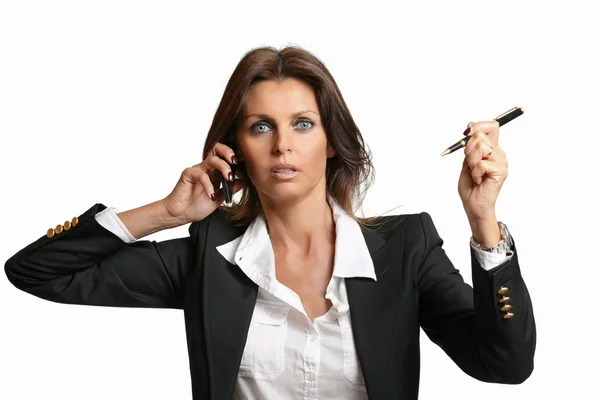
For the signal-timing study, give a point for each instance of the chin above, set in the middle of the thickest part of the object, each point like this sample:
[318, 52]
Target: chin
[282, 193]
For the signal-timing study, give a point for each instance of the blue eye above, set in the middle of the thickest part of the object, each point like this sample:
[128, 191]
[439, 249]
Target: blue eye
[308, 122]
[257, 126]
[304, 120]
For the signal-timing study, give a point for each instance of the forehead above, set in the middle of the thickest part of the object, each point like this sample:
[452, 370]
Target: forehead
[273, 97]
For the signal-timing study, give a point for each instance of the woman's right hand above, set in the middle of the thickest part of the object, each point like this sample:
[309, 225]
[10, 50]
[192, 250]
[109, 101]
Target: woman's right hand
[191, 199]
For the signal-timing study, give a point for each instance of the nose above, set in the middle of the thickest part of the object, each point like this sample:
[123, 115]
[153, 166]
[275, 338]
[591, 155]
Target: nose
[283, 141]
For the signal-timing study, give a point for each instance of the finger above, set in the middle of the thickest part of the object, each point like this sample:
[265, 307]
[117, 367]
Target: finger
[484, 167]
[478, 155]
[226, 152]
[196, 175]
[490, 128]
[222, 165]
[237, 186]
[475, 142]
[478, 148]
[213, 174]
[468, 129]
[466, 169]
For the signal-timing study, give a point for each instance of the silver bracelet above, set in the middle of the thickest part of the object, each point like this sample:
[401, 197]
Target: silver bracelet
[504, 246]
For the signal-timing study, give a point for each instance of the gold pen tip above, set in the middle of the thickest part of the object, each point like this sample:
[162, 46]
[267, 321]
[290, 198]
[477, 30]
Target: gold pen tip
[447, 151]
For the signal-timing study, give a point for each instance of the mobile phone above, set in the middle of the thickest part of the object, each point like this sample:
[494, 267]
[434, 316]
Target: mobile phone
[228, 186]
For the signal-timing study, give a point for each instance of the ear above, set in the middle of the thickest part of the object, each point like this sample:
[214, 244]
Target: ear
[330, 151]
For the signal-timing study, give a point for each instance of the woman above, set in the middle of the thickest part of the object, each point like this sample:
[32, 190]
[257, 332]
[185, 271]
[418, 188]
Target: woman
[286, 293]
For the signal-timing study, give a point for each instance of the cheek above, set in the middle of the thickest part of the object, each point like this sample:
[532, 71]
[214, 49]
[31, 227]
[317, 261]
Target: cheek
[318, 156]
[256, 167]
[250, 168]
[253, 156]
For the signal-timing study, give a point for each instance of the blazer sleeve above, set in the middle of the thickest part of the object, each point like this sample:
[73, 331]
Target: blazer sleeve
[467, 322]
[90, 265]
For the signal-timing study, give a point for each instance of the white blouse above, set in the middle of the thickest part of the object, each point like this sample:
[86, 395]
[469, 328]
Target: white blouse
[288, 356]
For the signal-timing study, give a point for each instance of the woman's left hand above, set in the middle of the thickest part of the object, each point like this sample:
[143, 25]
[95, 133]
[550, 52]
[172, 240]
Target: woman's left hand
[482, 173]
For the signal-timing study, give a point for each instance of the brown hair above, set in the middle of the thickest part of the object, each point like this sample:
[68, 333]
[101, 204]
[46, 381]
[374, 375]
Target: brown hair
[346, 171]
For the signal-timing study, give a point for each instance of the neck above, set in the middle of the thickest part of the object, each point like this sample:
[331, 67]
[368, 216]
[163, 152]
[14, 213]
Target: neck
[301, 226]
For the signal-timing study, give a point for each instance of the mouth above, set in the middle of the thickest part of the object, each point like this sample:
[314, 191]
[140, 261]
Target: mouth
[284, 167]
[284, 173]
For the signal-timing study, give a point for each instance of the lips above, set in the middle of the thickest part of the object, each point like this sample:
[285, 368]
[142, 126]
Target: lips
[284, 175]
[284, 168]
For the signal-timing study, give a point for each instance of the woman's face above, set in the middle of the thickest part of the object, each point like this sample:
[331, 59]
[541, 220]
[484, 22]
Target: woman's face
[280, 123]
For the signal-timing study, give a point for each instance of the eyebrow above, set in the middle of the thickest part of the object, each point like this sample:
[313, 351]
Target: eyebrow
[267, 117]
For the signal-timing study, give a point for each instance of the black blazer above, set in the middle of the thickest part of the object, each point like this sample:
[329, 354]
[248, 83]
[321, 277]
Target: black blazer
[417, 286]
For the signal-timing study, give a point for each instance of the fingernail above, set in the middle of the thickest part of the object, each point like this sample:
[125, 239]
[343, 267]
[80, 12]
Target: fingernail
[212, 196]
[230, 176]
[233, 160]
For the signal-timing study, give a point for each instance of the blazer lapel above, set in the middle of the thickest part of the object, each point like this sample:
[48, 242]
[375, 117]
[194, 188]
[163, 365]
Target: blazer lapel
[229, 300]
[373, 309]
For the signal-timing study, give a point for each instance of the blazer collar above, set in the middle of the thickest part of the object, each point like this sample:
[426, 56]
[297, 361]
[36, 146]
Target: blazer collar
[352, 255]
[229, 297]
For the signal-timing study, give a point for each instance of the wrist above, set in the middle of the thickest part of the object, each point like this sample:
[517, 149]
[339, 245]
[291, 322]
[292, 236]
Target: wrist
[504, 247]
[166, 220]
[486, 230]
[147, 219]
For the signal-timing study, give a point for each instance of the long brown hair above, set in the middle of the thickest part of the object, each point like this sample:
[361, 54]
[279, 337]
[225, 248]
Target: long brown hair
[349, 173]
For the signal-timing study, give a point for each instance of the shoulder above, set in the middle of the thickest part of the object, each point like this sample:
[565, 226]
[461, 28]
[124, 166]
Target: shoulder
[217, 225]
[412, 224]
[416, 231]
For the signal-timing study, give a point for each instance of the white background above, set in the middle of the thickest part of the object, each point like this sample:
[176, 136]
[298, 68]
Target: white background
[109, 101]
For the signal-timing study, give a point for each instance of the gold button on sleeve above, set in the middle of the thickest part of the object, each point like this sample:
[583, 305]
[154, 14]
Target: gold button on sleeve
[74, 221]
[506, 307]
[58, 228]
[503, 290]
[67, 225]
[50, 233]
[504, 299]
[508, 315]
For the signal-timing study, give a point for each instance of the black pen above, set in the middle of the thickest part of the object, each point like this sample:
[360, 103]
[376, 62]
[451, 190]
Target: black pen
[502, 119]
